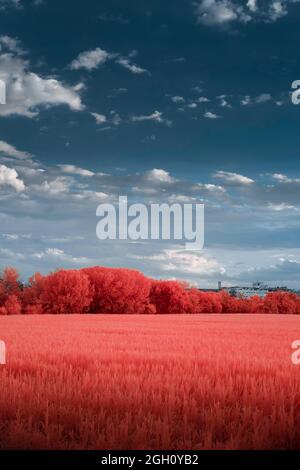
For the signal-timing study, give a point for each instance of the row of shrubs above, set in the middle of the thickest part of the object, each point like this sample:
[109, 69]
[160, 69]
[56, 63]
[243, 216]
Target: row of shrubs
[116, 290]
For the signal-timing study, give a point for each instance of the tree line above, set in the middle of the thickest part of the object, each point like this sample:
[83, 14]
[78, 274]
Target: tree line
[125, 291]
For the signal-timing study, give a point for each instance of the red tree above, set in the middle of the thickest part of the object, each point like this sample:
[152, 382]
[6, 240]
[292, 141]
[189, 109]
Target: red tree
[31, 298]
[281, 302]
[11, 306]
[229, 303]
[170, 297]
[9, 284]
[118, 290]
[256, 304]
[204, 302]
[66, 291]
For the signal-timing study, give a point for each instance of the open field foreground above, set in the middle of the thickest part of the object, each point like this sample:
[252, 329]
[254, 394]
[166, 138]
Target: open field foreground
[149, 382]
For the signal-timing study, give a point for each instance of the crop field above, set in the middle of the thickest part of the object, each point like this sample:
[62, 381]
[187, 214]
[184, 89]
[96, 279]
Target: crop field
[149, 382]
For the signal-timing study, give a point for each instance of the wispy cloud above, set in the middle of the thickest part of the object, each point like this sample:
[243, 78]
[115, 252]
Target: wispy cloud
[94, 58]
[156, 116]
[233, 178]
[75, 170]
[10, 3]
[112, 18]
[100, 118]
[8, 150]
[135, 69]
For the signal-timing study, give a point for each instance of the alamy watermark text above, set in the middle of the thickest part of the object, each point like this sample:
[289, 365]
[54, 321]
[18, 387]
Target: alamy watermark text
[182, 222]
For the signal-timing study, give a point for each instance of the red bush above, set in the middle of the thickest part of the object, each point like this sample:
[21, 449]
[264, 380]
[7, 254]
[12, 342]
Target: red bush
[204, 302]
[31, 297]
[35, 309]
[12, 306]
[255, 304]
[3, 311]
[170, 297]
[118, 290]
[10, 292]
[9, 284]
[66, 292]
[229, 303]
[282, 303]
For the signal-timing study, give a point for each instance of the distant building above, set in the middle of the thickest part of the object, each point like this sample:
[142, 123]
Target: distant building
[259, 285]
[258, 288]
[246, 292]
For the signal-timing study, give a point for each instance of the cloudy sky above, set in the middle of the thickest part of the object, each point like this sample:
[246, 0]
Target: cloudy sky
[182, 101]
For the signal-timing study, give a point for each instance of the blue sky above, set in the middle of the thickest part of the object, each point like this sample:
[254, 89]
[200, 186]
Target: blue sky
[162, 101]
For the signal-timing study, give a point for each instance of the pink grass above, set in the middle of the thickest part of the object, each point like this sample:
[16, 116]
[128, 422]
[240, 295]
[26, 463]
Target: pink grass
[149, 382]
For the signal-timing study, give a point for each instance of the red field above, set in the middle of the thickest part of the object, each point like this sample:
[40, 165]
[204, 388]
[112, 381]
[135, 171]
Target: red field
[149, 382]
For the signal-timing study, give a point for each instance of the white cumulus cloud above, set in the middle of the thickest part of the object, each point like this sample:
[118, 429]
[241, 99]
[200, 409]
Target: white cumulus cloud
[27, 91]
[90, 60]
[224, 12]
[210, 115]
[159, 175]
[9, 177]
